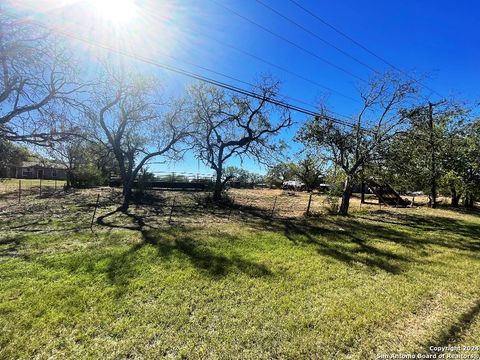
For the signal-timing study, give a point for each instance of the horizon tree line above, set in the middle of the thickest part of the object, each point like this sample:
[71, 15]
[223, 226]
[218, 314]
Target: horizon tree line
[124, 115]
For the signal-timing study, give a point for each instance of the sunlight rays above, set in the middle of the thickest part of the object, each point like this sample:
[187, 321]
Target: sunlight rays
[118, 12]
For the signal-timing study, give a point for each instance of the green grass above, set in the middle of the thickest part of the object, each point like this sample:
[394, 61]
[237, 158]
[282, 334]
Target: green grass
[377, 282]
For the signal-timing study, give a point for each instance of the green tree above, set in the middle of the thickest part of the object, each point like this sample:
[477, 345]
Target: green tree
[462, 160]
[309, 171]
[279, 173]
[351, 148]
[233, 173]
[83, 157]
[13, 154]
[433, 155]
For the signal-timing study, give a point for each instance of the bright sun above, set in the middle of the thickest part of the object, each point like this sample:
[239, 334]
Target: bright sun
[116, 11]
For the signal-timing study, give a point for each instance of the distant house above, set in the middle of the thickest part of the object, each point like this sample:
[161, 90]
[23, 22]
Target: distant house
[36, 170]
[324, 187]
[293, 185]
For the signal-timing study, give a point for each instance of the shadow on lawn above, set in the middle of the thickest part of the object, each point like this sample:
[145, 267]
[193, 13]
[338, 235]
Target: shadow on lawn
[169, 243]
[354, 240]
[455, 332]
[344, 244]
[428, 223]
[10, 246]
[360, 239]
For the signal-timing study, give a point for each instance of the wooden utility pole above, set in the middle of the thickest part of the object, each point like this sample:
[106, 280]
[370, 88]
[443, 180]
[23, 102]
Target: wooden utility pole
[433, 195]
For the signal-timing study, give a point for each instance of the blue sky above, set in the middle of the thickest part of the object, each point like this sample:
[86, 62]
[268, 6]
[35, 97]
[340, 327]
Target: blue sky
[438, 39]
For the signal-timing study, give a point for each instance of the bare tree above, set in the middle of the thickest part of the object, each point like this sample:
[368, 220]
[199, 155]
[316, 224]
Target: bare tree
[227, 125]
[381, 117]
[87, 163]
[37, 84]
[69, 154]
[128, 118]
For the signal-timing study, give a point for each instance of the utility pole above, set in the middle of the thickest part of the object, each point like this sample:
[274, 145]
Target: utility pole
[433, 199]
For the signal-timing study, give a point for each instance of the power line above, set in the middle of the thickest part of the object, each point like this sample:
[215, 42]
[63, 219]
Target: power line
[270, 63]
[290, 20]
[294, 44]
[258, 58]
[299, 101]
[297, 75]
[241, 81]
[348, 37]
[202, 78]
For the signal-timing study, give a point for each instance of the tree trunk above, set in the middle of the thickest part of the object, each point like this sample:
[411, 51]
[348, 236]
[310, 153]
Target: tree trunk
[433, 195]
[69, 179]
[455, 197]
[347, 193]
[127, 181]
[468, 202]
[217, 193]
[127, 195]
[363, 193]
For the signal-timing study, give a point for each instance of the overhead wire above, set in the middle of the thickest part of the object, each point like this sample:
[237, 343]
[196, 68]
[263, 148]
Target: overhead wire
[363, 47]
[292, 43]
[305, 29]
[252, 94]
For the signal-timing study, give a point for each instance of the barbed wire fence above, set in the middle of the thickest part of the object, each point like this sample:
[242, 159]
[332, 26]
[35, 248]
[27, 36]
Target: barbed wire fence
[165, 207]
[16, 190]
[157, 207]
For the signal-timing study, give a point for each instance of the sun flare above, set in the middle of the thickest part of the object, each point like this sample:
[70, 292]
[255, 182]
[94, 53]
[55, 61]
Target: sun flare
[115, 11]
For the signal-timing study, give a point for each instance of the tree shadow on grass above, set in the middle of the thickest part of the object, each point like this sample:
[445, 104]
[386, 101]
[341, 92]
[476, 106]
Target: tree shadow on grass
[170, 243]
[382, 241]
[449, 229]
[453, 335]
[203, 258]
[344, 245]
[353, 240]
[10, 246]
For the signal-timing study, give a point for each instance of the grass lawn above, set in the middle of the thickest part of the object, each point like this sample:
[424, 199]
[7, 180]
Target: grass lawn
[380, 281]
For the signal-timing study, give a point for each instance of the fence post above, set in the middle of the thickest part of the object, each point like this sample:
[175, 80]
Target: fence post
[171, 210]
[273, 208]
[231, 207]
[413, 201]
[40, 187]
[308, 206]
[94, 211]
[19, 190]
[55, 185]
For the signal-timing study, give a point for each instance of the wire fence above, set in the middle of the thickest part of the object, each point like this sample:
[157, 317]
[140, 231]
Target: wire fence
[153, 208]
[157, 208]
[18, 189]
